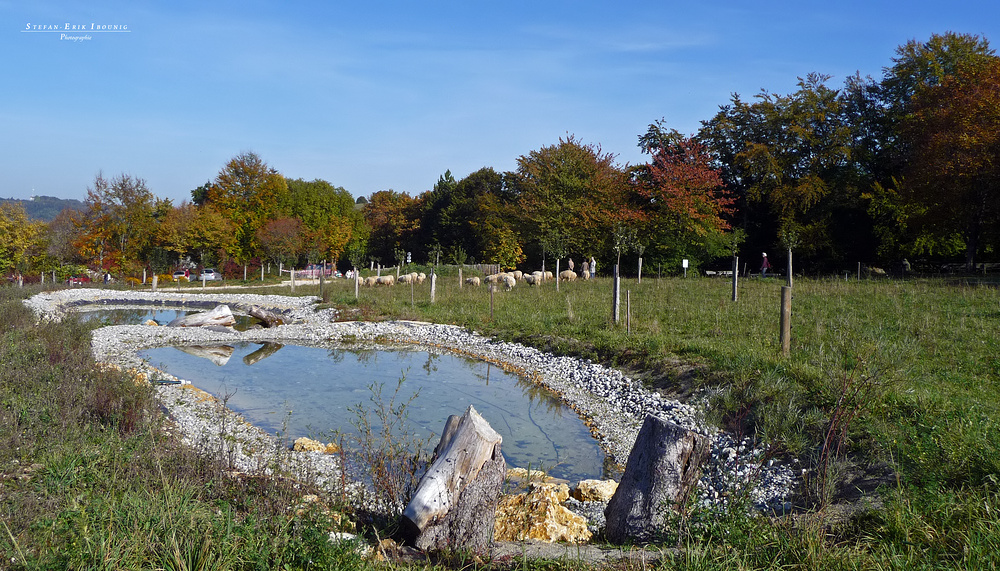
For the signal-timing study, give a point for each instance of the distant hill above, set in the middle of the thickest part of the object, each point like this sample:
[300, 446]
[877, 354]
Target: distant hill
[45, 208]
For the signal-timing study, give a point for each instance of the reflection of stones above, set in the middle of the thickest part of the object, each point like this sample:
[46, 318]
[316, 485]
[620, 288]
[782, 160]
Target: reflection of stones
[217, 354]
[266, 350]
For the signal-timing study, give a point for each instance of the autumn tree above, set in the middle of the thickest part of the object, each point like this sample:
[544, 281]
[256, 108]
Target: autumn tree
[573, 193]
[282, 239]
[688, 207]
[118, 222]
[952, 178]
[247, 192]
[394, 219]
[885, 118]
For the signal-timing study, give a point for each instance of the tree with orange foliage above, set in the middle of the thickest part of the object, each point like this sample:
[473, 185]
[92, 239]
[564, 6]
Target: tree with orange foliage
[954, 171]
[688, 207]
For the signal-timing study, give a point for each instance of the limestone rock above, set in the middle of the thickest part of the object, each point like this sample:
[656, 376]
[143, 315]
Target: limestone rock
[538, 515]
[662, 470]
[308, 445]
[595, 490]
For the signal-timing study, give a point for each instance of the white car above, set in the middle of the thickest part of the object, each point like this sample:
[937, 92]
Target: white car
[208, 274]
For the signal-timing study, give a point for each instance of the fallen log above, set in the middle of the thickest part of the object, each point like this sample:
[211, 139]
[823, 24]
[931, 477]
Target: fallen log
[454, 506]
[221, 315]
[269, 318]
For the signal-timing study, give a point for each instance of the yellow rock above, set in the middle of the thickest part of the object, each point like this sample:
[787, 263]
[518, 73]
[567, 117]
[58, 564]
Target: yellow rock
[595, 490]
[308, 445]
[332, 448]
[538, 515]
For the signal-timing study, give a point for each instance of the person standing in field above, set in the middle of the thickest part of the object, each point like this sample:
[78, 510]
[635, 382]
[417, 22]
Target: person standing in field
[764, 265]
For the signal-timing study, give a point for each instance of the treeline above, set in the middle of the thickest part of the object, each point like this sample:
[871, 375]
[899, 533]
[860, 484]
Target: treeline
[878, 170]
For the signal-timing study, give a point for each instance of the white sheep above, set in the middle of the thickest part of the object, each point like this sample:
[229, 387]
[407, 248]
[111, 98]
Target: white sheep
[421, 277]
[473, 281]
[518, 275]
[369, 281]
[567, 275]
[509, 282]
[385, 280]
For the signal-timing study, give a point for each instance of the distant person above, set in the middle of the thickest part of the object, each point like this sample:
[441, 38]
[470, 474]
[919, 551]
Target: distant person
[107, 277]
[764, 265]
[906, 267]
[571, 264]
[593, 267]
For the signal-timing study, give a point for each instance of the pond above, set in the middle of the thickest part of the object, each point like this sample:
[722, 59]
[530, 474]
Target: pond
[298, 391]
[102, 315]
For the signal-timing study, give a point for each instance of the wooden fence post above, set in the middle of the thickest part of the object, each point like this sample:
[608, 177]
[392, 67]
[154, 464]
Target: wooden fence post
[786, 320]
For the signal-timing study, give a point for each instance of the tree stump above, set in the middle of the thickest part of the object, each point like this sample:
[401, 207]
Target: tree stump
[455, 504]
[269, 318]
[662, 470]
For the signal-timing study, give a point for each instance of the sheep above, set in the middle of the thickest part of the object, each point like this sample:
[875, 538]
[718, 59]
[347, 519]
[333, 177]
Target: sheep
[509, 282]
[406, 278]
[532, 279]
[567, 275]
[548, 276]
[385, 280]
[473, 281]
[492, 278]
[370, 281]
[586, 274]
[421, 277]
[518, 275]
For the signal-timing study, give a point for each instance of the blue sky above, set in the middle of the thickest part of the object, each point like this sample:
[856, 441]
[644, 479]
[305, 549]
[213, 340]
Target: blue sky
[389, 94]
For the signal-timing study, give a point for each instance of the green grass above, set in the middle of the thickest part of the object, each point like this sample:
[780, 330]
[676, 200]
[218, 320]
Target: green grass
[902, 375]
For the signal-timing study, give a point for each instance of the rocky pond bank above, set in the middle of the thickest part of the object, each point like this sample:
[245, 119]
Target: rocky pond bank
[612, 404]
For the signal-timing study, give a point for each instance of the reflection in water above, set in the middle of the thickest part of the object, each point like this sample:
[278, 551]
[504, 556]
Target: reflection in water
[306, 391]
[266, 350]
[217, 354]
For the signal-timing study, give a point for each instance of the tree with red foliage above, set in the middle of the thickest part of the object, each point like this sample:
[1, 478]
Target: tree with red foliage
[688, 205]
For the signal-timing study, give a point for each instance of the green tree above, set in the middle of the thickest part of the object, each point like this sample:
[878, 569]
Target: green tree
[787, 161]
[281, 239]
[247, 192]
[17, 235]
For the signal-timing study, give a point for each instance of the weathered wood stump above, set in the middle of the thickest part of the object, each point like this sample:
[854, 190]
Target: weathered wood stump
[455, 504]
[662, 470]
[268, 318]
[221, 315]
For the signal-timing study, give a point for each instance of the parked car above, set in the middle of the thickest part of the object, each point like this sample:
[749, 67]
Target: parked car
[78, 279]
[209, 274]
[181, 274]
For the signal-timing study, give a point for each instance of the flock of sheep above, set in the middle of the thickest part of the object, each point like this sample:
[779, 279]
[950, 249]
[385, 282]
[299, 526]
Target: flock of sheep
[507, 279]
[510, 279]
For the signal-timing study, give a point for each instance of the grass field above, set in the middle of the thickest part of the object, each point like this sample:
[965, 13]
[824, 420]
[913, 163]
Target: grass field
[888, 381]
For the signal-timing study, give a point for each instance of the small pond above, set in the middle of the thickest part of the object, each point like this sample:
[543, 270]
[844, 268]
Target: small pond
[298, 391]
[103, 316]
